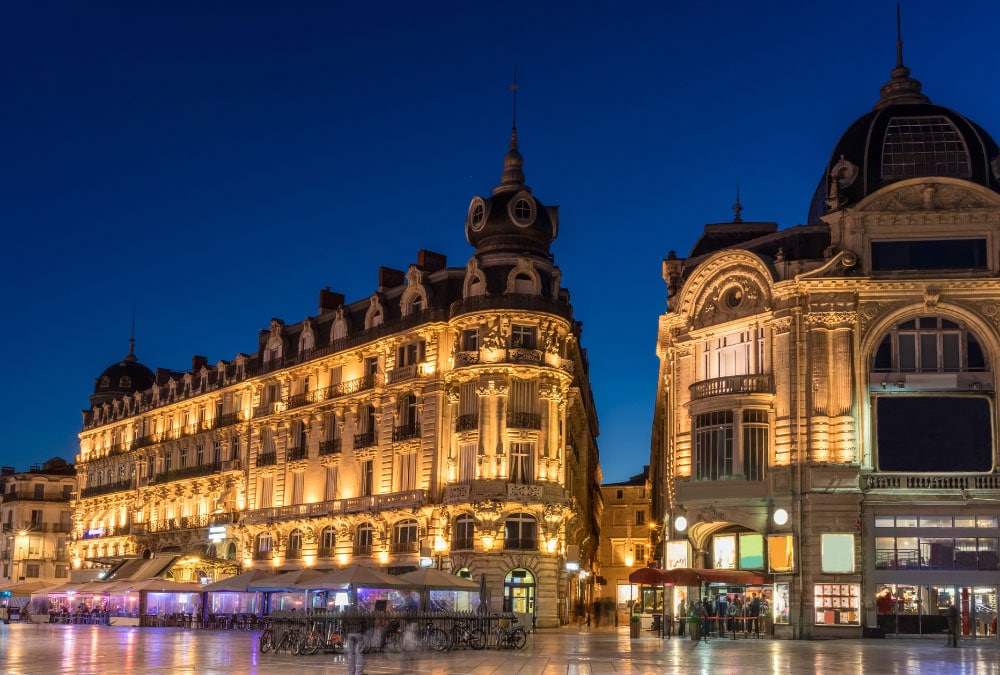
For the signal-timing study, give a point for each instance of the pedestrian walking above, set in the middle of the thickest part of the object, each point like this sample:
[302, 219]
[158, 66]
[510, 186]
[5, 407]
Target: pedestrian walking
[354, 628]
[954, 622]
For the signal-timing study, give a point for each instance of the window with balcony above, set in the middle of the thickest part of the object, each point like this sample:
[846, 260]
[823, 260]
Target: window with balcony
[523, 405]
[263, 546]
[463, 533]
[470, 340]
[294, 550]
[367, 478]
[468, 408]
[411, 354]
[522, 463]
[367, 423]
[715, 455]
[328, 542]
[405, 471]
[523, 337]
[365, 539]
[404, 536]
[520, 532]
[409, 419]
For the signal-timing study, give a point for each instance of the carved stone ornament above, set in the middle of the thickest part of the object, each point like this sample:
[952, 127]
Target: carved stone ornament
[928, 196]
[991, 310]
[869, 312]
[735, 294]
[831, 319]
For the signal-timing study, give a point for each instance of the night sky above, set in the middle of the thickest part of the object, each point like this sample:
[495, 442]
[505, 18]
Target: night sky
[217, 166]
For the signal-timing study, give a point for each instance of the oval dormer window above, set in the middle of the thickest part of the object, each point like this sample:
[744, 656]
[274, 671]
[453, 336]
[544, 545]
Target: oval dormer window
[522, 209]
[125, 382]
[477, 214]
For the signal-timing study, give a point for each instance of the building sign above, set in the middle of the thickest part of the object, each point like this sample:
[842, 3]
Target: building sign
[95, 532]
[217, 533]
[724, 552]
[781, 552]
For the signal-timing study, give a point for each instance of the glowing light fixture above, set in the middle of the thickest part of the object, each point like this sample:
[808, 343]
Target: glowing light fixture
[680, 523]
[780, 517]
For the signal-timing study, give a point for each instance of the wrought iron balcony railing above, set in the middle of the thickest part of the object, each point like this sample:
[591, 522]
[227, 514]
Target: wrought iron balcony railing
[466, 422]
[524, 420]
[330, 447]
[295, 454]
[267, 459]
[732, 384]
[406, 432]
[365, 439]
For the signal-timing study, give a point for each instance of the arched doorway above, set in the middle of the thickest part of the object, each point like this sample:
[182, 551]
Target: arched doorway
[519, 596]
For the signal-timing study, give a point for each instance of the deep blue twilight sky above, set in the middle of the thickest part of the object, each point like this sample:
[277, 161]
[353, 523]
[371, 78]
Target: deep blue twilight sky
[218, 163]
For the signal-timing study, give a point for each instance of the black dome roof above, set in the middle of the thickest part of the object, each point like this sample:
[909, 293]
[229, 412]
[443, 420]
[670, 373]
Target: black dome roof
[121, 379]
[512, 219]
[904, 136]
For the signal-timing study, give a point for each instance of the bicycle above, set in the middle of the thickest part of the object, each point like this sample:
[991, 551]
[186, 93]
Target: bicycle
[265, 642]
[504, 637]
[460, 634]
[289, 640]
[315, 639]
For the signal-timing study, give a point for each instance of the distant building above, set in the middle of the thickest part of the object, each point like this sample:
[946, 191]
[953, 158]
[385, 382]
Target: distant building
[826, 406]
[36, 517]
[445, 419]
[627, 529]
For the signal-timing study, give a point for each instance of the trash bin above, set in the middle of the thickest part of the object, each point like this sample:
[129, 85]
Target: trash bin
[694, 628]
[633, 626]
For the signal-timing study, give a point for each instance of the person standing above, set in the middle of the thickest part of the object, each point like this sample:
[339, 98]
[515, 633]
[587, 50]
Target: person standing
[354, 627]
[681, 618]
[953, 624]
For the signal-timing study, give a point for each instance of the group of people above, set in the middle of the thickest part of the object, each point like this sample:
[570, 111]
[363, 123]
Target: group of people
[722, 614]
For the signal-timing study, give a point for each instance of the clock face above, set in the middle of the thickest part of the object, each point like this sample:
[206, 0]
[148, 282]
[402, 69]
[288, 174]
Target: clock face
[478, 211]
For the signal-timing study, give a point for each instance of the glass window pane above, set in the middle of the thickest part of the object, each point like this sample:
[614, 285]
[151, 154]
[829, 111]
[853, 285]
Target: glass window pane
[884, 521]
[937, 554]
[974, 354]
[902, 521]
[928, 352]
[935, 521]
[965, 521]
[950, 358]
[885, 553]
[965, 554]
[907, 351]
[988, 554]
[986, 521]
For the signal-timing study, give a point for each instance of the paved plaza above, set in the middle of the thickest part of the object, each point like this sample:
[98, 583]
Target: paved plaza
[49, 649]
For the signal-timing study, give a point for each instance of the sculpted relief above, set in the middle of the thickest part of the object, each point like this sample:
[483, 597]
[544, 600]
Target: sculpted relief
[740, 292]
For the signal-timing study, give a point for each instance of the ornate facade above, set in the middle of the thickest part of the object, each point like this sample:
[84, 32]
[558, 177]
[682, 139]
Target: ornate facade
[36, 518]
[826, 406]
[447, 417]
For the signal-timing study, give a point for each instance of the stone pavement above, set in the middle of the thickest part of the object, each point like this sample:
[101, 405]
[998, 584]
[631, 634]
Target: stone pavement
[87, 650]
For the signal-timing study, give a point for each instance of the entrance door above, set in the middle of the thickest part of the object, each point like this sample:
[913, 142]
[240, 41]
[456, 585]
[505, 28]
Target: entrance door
[519, 596]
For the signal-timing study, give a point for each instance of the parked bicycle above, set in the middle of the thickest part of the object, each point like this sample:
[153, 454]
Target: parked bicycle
[461, 635]
[331, 641]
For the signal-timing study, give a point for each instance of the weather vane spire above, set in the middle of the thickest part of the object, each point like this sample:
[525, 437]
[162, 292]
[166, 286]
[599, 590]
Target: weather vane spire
[131, 336]
[513, 88]
[738, 206]
[899, 39]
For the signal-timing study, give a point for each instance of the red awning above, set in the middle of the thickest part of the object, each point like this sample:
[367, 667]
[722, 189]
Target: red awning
[687, 576]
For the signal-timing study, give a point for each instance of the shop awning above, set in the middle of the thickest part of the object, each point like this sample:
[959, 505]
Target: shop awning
[689, 576]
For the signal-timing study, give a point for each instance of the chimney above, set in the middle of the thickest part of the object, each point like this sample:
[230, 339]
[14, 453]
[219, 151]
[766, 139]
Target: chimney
[328, 300]
[198, 362]
[390, 278]
[162, 376]
[429, 261]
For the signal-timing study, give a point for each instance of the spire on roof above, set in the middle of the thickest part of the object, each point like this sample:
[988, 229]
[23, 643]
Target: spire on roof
[131, 339]
[901, 88]
[738, 207]
[512, 178]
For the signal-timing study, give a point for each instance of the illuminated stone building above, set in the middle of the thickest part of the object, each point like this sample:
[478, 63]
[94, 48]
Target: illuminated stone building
[36, 518]
[826, 404]
[626, 528]
[445, 419]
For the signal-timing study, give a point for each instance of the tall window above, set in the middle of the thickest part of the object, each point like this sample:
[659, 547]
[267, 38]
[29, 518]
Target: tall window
[328, 540]
[713, 445]
[739, 353]
[404, 536]
[236, 448]
[406, 471]
[929, 344]
[330, 486]
[470, 340]
[522, 462]
[263, 546]
[411, 354]
[464, 533]
[298, 484]
[266, 500]
[755, 443]
[294, 551]
[199, 454]
[520, 532]
[466, 462]
[367, 478]
[365, 539]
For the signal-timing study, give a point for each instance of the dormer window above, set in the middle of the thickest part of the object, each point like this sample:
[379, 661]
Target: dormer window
[105, 382]
[125, 382]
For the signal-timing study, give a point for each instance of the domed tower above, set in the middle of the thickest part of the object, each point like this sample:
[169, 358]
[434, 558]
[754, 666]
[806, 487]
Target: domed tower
[904, 136]
[121, 379]
[512, 229]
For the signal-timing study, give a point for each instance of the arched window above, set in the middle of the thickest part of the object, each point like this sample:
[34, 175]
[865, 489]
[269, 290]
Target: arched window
[929, 344]
[327, 542]
[231, 551]
[523, 284]
[365, 539]
[417, 304]
[306, 342]
[263, 545]
[463, 533]
[404, 536]
[520, 532]
[294, 551]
